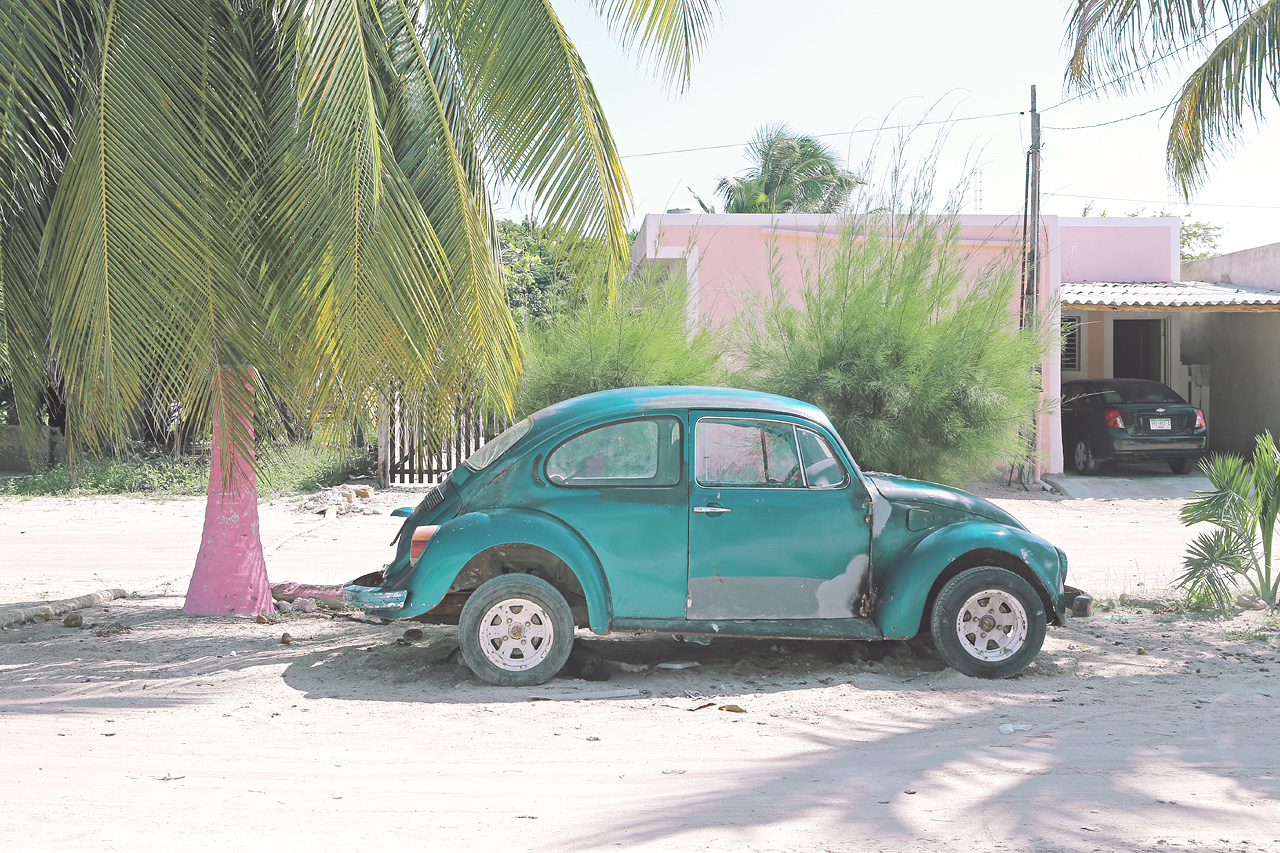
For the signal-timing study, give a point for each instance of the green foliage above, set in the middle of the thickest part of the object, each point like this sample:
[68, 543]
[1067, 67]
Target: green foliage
[292, 469]
[112, 477]
[541, 268]
[300, 187]
[916, 358]
[639, 338]
[1243, 506]
[789, 173]
[1198, 239]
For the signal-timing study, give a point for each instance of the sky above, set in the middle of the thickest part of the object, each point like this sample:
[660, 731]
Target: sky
[845, 68]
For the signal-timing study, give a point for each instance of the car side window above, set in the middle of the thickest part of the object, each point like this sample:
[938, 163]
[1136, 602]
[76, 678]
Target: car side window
[822, 468]
[1073, 396]
[642, 452]
[746, 452]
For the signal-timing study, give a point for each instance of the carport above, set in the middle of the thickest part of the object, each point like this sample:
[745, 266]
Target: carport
[1215, 343]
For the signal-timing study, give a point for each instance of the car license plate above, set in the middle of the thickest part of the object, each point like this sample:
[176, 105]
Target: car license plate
[1161, 423]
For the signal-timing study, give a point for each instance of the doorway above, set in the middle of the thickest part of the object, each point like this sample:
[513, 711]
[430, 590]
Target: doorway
[1137, 349]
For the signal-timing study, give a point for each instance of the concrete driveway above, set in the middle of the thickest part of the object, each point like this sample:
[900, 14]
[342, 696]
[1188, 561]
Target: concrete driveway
[1129, 480]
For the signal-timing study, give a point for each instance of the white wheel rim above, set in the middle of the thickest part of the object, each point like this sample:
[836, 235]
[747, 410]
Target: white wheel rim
[1082, 455]
[992, 625]
[516, 635]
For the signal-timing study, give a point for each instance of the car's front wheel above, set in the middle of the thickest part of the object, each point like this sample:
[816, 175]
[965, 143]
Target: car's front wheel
[1082, 460]
[1181, 465]
[515, 630]
[988, 623]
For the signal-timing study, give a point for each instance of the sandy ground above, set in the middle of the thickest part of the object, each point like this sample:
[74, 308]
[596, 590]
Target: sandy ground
[1147, 730]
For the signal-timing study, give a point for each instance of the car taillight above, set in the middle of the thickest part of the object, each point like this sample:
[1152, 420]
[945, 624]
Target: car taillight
[421, 536]
[1200, 424]
[1113, 418]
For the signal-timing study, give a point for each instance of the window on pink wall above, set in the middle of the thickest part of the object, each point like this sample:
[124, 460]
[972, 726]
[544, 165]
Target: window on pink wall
[1071, 343]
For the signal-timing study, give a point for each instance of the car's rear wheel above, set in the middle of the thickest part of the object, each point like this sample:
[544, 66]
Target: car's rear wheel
[1180, 465]
[515, 630]
[1082, 461]
[988, 623]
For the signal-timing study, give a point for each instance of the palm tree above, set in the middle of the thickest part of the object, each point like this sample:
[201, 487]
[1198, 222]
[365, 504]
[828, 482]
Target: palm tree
[1243, 505]
[1120, 45]
[790, 173]
[216, 201]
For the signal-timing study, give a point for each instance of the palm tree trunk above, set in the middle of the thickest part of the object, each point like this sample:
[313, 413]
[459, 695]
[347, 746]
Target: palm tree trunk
[230, 577]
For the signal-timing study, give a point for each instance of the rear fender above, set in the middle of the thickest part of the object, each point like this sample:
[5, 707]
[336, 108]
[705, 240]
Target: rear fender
[462, 538]
[907, 587]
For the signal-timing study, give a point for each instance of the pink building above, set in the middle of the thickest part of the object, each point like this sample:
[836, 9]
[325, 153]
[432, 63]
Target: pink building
[1088, 266]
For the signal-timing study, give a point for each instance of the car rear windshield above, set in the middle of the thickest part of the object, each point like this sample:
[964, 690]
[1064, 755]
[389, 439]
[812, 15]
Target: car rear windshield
[1137, 392]
[490, 451]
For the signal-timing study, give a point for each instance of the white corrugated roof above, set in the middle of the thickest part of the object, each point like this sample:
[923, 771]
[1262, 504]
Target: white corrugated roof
[1167, 294]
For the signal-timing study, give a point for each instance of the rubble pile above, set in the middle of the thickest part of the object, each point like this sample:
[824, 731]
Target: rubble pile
[346, 499]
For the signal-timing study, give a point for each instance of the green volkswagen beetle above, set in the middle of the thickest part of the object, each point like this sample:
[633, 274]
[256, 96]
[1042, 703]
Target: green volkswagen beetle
[714, 512]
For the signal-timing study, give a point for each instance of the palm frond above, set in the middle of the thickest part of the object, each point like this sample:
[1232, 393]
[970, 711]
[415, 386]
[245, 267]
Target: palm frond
[1213, 564]
[1230, 500]
[360, 288]
[1266, 489]
[24, 316]
[538, 120]
[129, 225]
[1116, 44]
[42, 47]
[1238, 78]
[432, 134]
[669, 33]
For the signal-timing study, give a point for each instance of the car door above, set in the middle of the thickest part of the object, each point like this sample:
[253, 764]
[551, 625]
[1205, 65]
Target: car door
[777, 521]
[1075, 408]
[622, 486]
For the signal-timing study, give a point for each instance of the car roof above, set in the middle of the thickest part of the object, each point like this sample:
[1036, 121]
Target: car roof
[1126, 383]
[621, 401]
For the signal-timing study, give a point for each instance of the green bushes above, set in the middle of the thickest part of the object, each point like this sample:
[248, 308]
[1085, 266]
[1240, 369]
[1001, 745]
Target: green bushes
[641, 337]
[915, 356]
[291, 469]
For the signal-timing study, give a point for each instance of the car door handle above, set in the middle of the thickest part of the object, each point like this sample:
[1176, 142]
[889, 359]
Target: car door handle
[715, 509]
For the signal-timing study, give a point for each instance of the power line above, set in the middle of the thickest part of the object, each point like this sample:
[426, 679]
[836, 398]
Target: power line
[1076, 97]
[1161, 108]
[828, 135]
[1154, 201]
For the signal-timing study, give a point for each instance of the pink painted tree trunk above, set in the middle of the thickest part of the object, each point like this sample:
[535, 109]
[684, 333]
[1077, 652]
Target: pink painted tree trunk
[230, 577]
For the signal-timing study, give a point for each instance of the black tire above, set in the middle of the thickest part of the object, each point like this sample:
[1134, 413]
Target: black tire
[1181, 465]
[1082, 460]
[1012, 638]
[515, 630]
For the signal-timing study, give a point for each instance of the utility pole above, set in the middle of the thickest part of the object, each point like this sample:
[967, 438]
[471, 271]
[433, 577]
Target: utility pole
[1031, 284]
[1028, 472]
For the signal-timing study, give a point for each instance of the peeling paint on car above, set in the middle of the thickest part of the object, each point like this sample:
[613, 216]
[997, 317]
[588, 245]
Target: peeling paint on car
[836, 596]
[881, 509]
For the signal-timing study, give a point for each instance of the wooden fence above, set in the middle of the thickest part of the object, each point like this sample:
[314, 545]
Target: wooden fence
[407, 453]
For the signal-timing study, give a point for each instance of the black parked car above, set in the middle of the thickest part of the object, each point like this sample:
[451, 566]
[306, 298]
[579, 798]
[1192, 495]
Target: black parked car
[1129, 420]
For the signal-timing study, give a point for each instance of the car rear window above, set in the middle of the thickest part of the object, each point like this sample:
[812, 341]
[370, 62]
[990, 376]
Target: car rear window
[1138, 392]
[491, 450]
[636, 453]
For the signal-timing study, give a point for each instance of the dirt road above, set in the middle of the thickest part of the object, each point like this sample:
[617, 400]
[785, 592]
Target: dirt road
[1146, 730]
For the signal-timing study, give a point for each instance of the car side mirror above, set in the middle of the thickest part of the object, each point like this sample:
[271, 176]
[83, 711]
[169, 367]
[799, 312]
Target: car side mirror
[402, 512]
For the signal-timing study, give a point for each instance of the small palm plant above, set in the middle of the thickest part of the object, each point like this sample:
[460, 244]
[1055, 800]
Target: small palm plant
[1243, 506]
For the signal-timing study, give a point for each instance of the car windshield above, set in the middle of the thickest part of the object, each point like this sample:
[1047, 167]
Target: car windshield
[491, 450]
[1137, 392]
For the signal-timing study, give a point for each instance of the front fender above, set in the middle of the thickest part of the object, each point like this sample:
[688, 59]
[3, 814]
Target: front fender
[461, 538]
[906, 587]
